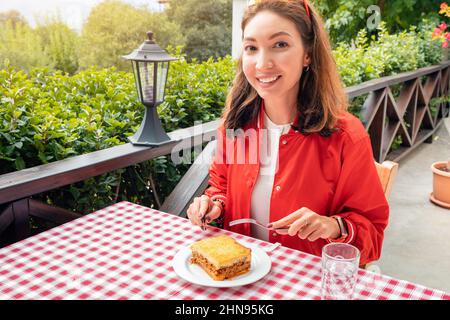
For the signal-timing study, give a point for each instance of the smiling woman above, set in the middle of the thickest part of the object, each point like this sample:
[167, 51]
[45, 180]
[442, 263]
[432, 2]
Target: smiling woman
[314, 172]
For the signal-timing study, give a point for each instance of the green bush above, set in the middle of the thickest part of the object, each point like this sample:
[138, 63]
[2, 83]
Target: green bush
[368, 58]
[196, 91]
[48, 116]
[430, 51]
[344, 18]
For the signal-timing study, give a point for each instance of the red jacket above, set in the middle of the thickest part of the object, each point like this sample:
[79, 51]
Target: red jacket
[331, 176]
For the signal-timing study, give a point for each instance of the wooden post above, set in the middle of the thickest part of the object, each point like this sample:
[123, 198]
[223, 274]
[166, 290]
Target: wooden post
[21, 212]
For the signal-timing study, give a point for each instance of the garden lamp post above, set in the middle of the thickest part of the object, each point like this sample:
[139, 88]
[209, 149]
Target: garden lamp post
[150, 68]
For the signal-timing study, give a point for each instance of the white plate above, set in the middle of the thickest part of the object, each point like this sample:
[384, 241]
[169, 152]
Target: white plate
[260, 266]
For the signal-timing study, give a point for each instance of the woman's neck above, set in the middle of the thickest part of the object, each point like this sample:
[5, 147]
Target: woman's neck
[281, 111]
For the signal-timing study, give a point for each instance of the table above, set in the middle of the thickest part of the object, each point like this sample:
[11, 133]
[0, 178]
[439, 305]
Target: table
[124, 252]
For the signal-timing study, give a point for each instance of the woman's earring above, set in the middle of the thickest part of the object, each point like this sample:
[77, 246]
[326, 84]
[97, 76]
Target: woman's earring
[306, 69]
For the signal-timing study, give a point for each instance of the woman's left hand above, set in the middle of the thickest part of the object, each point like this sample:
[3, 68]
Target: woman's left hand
[307, 224]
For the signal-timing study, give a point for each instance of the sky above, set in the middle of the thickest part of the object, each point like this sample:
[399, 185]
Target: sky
[73, 12]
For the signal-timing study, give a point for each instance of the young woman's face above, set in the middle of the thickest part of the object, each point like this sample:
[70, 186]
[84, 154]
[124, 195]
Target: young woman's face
[273, 56]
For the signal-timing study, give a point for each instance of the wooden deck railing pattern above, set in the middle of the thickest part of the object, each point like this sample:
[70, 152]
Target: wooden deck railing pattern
[410, 116]
[385, 117]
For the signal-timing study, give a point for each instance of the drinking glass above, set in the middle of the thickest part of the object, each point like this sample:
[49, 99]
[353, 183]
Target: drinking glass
[340, 263]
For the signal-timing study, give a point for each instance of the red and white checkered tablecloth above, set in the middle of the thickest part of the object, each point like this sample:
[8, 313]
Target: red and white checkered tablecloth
[124, 252]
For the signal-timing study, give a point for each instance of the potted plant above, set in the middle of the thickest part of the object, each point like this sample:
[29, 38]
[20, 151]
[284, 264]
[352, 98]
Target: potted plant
[441, 184]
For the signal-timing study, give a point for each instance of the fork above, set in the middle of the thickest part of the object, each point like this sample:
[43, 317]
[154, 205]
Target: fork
[203, 221]
[254, 221]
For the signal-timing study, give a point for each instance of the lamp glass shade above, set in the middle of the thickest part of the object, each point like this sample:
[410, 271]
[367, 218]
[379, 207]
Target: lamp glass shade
[147, 74]
[145, 82]
[162, 70]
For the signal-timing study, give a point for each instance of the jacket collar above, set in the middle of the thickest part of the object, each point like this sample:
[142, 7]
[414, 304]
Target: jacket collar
[260, 122]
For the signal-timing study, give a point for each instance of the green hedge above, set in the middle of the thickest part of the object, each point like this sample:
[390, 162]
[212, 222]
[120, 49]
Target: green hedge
[47, 115]
[368, 58]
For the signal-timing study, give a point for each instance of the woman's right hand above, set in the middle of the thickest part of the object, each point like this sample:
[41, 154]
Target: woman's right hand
[203, 207]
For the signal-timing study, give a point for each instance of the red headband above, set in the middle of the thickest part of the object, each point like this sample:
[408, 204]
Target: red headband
[305, 2]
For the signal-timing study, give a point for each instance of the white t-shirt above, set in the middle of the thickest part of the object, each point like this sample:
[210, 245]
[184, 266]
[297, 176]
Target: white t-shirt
[262, 191]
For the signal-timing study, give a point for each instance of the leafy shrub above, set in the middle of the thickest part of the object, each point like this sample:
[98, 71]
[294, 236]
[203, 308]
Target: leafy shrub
[344, 18]
[386, 54]
[429, 49]
[196, 91]
[48, 116]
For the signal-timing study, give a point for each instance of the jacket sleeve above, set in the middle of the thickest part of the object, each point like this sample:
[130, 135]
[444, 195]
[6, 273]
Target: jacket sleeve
[360, 200]
[218, 170]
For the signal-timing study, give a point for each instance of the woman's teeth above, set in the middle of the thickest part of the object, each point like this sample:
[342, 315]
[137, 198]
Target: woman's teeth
[268, 80]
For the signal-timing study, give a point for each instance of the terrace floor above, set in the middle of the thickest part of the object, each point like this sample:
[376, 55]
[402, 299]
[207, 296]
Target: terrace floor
[417, 241]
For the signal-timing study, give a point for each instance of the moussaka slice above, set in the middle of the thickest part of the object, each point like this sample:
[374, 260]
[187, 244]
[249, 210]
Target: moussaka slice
[221, 257]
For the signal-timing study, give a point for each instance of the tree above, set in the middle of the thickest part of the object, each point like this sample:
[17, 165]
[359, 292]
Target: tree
[21, 46]
[114, 29]
[60, 44]
[12, 16]
[51, 44]
[206, 25]
[344, 18]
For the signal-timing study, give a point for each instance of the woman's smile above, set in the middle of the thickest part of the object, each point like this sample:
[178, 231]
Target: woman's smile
[266, 81]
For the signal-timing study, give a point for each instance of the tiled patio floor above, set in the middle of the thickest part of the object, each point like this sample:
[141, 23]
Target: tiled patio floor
[417, 240]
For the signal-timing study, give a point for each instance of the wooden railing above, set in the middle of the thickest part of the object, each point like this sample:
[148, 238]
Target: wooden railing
[387, 116]
[409, 115]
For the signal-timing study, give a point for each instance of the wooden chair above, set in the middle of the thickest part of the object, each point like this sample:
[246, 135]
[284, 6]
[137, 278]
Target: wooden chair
[195, 181]
[387, 172]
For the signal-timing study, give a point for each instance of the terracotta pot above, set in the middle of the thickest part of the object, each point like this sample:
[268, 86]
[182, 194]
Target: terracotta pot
[441, 185]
